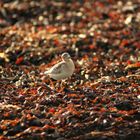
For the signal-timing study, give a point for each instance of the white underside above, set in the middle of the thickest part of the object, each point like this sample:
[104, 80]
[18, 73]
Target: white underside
[60, 76]
[66, 71]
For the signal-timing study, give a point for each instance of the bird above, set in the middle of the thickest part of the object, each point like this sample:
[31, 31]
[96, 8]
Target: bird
[63, 69]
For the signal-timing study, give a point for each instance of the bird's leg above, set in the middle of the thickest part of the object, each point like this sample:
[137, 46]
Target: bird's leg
[51, 83]
[62, 86]
[57, 84]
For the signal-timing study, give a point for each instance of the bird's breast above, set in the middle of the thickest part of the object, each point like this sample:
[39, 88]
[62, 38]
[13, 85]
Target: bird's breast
[71, 66]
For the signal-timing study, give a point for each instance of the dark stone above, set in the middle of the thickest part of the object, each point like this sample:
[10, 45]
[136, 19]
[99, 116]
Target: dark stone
[124, 105]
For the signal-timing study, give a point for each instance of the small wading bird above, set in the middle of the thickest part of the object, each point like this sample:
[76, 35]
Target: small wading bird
[63, 69]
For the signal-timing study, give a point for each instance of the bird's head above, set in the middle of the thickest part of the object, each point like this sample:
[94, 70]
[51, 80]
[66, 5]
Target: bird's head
[65, 56]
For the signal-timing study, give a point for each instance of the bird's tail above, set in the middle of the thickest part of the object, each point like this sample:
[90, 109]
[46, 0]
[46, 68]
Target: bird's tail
[46, 72]
[45, 75]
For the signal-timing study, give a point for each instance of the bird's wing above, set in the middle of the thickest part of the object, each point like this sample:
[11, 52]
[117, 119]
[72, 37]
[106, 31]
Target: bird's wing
[58, 68]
